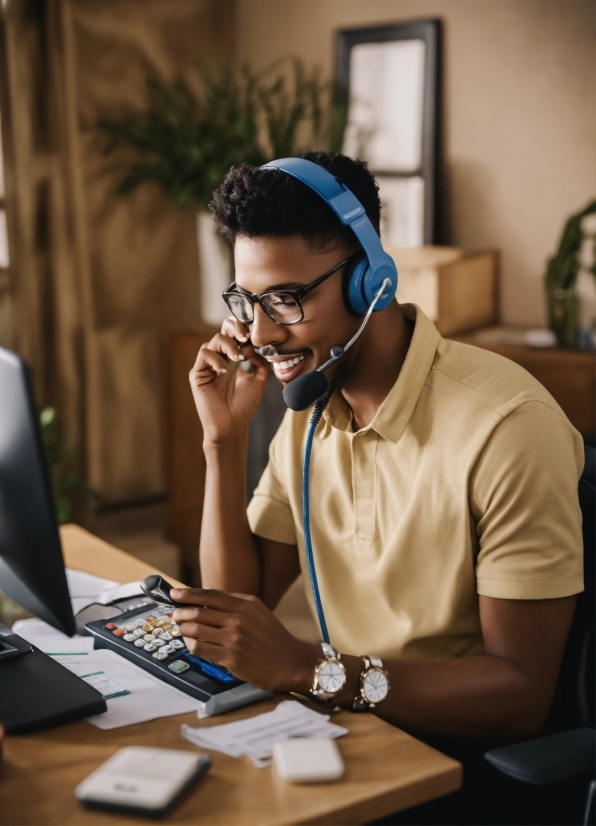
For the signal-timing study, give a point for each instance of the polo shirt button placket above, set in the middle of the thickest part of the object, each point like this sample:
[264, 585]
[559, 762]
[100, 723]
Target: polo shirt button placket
[364, 479]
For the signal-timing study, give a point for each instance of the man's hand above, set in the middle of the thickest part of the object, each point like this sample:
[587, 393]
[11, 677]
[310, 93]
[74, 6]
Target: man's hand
[240, 633]
[226, 401]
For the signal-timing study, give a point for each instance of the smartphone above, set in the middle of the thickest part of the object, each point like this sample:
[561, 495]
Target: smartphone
[142, 780]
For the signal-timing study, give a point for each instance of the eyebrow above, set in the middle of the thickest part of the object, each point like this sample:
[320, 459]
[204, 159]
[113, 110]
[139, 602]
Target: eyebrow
[291, 285]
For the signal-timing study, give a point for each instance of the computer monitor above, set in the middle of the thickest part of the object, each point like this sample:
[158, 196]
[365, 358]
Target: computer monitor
[31, 565]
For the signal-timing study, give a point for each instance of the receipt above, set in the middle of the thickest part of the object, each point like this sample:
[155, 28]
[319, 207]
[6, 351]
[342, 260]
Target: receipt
[254, 738]
[107, 687]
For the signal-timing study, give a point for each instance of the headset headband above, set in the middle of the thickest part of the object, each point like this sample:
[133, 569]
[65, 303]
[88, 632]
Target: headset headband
[352, 214]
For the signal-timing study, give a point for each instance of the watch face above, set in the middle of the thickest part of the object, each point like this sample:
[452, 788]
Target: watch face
[375, 686]
[331, 677]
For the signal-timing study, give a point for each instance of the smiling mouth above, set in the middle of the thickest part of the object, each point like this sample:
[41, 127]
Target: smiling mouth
[286, 368]
[287, 363]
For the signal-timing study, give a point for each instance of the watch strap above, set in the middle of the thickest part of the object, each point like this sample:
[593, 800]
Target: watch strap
[328, 650]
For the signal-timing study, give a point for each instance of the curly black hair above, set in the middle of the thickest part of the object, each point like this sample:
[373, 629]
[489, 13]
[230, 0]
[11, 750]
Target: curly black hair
[256, 202]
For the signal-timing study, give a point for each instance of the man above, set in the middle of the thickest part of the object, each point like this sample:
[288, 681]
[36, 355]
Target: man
[445, 519]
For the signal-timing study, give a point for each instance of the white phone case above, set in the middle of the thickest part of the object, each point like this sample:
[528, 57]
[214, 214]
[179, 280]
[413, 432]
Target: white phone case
[141, 779]
[308, 761]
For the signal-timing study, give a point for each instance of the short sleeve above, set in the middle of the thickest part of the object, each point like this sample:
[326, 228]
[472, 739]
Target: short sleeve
[269, 511]
[525, 505]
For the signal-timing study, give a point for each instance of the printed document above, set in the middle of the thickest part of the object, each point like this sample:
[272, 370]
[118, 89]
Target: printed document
[254, 738]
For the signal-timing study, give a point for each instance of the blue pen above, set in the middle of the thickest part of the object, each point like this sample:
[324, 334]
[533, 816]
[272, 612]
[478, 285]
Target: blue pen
[210, 669]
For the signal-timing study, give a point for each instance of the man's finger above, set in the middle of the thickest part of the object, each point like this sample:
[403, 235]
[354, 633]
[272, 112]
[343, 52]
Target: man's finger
[207, 597]
[236, 329]
[206, 650]
[203, 633]
[228, 346]
[205, 616]
[208, 361]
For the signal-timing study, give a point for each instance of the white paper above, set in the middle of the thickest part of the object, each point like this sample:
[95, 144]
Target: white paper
[85, 588]
[48, 639]
[149, 698]
[107, 687]
[254, 738]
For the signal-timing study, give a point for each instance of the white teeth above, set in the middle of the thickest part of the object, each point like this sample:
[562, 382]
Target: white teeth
[285, 365]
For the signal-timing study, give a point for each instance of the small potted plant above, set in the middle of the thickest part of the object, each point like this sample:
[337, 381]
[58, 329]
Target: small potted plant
[189, 139]
[561, 278]
[66, 486]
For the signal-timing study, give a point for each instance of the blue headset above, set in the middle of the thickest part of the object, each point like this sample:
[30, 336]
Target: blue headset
[368, 273]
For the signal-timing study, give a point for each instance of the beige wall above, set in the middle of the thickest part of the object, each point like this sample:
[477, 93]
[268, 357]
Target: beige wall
[519, 113]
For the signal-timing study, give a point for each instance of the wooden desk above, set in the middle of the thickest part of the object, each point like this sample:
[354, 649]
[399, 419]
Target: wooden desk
[387, 770]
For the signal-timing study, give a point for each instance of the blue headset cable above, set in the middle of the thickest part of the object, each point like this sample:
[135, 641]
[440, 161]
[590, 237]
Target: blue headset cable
[314, 421]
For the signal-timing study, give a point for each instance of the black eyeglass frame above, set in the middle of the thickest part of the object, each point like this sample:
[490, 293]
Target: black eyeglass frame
[296, 295]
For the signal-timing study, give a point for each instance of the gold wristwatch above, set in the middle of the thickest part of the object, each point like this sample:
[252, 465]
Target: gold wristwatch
[330, 674]
[374, 684]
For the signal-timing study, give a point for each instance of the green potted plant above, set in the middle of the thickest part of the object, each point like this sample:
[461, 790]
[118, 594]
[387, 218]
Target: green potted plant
[190, 138]
[561, 277]
[66, 486]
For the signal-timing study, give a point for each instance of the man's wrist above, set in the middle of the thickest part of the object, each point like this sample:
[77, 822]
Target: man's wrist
[303, 677]
[234, 444]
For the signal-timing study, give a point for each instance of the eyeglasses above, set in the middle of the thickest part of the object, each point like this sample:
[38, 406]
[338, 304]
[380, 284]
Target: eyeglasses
[282, 306]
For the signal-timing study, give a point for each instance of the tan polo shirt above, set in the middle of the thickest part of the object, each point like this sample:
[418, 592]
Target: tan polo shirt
[464, 483]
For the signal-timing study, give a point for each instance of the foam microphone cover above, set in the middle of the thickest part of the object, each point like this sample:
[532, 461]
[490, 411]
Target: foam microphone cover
[306, 390]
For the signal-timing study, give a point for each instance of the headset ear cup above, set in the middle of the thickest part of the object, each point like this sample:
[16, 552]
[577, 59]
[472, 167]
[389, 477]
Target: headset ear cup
[352, 284]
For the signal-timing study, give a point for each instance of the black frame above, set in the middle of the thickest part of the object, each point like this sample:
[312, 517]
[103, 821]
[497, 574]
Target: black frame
[430, 32]
[296, 295]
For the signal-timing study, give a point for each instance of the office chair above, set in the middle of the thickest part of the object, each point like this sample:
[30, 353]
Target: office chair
[566, 751]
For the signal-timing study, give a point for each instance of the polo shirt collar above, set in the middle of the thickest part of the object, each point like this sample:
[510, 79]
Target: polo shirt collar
[394, 413]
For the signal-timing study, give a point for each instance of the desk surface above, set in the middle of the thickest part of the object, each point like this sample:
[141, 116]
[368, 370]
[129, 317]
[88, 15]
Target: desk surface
[386, 769]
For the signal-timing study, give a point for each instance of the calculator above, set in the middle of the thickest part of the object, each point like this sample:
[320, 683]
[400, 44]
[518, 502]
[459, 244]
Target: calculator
[149, 637]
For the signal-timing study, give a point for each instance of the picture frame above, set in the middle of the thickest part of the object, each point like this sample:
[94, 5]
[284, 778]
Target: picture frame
[391, 78]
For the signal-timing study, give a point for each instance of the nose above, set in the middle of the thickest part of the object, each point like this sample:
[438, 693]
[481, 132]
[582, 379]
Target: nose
[264, 330]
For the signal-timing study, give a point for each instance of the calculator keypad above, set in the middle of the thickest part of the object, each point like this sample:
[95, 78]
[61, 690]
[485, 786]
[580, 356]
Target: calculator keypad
[157, 634]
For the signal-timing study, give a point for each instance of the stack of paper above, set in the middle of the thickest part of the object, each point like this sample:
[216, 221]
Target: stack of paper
[254, 738]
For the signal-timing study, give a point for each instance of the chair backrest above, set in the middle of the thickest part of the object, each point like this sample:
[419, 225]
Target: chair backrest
[573, 706]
